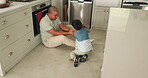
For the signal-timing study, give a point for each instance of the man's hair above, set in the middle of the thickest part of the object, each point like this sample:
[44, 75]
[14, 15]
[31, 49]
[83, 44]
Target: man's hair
[52, 9]
[77, 24]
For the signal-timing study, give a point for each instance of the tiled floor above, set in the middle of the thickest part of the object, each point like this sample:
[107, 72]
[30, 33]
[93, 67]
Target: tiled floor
[44, 62]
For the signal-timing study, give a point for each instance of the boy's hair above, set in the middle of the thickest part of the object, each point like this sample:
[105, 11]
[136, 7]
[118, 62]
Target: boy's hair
[77, 24]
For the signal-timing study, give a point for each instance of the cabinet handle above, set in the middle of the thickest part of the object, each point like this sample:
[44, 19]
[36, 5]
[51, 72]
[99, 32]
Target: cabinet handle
[27, 25]
[7, 36]
[4, 22]
[100, 67]
[104, 11]
[10, 54]
[28, 40]
[25, 13]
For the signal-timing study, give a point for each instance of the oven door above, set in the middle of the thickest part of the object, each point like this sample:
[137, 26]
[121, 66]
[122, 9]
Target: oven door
[37, 15]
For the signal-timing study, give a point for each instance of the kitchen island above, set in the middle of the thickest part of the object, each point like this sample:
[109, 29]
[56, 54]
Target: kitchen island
[126, 51]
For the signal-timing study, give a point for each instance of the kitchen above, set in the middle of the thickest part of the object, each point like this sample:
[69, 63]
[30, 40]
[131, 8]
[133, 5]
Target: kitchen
[122, 24]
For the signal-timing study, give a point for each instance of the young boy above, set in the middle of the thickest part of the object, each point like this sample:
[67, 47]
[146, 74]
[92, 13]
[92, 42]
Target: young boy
[82, 43]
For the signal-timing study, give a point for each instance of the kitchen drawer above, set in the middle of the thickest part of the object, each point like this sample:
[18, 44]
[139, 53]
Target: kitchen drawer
[13, 18]
[16, 49]
[12, 33]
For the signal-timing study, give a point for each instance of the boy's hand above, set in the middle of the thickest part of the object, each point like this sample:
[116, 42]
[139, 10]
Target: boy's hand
[83, 25]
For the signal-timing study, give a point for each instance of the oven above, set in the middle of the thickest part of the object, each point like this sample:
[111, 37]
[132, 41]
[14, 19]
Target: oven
[135, 4]
[39, 11]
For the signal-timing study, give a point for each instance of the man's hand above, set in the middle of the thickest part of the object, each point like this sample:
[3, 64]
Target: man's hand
[71, 32]
[54, 32]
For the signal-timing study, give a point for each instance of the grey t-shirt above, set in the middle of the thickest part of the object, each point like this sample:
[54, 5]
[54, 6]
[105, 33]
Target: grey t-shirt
[46, 24]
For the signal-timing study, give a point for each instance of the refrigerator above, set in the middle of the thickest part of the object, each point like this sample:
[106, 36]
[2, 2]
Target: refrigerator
[82, 10]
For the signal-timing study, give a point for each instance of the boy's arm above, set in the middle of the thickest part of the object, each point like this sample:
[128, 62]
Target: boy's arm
[83, 25]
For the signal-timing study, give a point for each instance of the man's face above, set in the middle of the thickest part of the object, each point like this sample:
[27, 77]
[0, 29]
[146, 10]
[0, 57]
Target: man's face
[54, 16]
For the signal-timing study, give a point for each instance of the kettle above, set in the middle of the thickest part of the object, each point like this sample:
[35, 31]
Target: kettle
[2, 1]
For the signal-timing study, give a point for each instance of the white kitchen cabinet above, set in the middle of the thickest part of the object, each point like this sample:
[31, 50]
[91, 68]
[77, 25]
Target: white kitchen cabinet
[100, 12]
[8, 36]
[9, 20]
[16, 33]
[16, 37]
[100, 17]
[110, 3]
[126, 48]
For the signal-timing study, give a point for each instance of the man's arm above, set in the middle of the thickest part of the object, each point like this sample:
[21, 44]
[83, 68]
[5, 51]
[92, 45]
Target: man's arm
[64, 28]
[56, 33]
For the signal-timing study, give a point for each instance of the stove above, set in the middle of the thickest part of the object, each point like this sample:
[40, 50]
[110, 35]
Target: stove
[143, 5]
[135, 3]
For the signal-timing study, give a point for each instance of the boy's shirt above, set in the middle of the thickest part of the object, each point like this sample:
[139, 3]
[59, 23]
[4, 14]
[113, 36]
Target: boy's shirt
[82, 42]
[81, 34]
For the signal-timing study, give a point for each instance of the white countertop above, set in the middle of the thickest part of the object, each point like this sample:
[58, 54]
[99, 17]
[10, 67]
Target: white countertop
[16, 5]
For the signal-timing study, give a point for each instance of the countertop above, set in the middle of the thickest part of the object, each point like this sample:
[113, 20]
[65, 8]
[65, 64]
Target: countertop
[16, 5]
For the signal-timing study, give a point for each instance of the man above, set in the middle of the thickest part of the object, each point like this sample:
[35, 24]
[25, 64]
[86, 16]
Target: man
[53, 31]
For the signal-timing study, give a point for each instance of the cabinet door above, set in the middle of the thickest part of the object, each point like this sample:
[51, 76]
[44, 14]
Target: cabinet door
[100, 18]
[111, 3]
